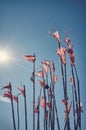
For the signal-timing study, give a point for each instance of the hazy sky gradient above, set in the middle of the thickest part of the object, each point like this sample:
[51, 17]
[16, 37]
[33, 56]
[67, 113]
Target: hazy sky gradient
[24, 27]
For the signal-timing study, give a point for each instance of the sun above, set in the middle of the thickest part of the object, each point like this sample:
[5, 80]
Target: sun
[4, 56]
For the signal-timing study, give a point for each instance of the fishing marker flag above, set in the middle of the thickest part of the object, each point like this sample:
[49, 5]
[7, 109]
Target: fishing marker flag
[67, 40]
[42, 103]
[56, 35]
[8, 86]
[40, 74]
[15, 98]
[71, 54]
[7, 94]
[46, 62]
[31, 58]
[55, 77]
[21, 89]
[62, 53]
[42, 84]
[52, 67]
[45, 68]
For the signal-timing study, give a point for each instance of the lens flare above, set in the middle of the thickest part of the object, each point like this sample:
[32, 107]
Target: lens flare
[4, 56]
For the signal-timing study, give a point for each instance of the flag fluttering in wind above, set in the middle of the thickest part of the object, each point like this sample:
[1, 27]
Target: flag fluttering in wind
[42, 103]
[8, 86]
[40, 74]
[42, 84]
[67, 40]
[7, 94]
[31, 58]
[62, 53]
[21, 89]
[15, 98]
[56, 35]
[64, 101]
[55, 77]
[71, 54]
[45, 68]
[46, 62]
[71, 80]
[52, 68]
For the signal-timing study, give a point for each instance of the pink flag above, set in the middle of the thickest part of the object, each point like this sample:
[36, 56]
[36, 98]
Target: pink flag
[68, 108]
[42, 103]
[55, 77]
[56, 35]
[67, 40]
[45, 68]
[42, 84]
[46, 62]
[71, 80]
[62, 53]
[71, 54]
[15, 98]
[81, 107]
[40, 74]
[7, 94]
[64, 102]
[29, 58]
[8, 86]
[72, 60]
[52, 67]
[22, 91]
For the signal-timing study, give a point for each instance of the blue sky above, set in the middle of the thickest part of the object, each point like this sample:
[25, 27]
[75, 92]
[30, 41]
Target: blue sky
[24, 27]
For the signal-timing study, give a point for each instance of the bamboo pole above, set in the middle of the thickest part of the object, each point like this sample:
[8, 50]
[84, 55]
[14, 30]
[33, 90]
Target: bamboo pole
[13, 115]
[34, 93]
[25, 104]
[78, 87]
[18, 112]
[63, 71]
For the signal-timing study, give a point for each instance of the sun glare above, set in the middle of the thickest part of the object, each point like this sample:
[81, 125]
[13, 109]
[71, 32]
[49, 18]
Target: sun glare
[4, 56]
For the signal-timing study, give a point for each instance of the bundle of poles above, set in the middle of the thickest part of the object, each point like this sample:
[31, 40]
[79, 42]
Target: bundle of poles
[47, 99]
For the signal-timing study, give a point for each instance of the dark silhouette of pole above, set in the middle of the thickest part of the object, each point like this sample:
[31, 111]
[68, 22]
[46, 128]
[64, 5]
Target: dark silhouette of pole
[14, 124]
[75, 127]
[64, 80]
[18, 112]
[78, 88]
[75, 93]
[38, 119]
[34, 93]
[25, 108]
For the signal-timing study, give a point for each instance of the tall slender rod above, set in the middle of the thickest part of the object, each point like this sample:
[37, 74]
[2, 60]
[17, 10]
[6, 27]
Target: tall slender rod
[14, 124]
[25, 104]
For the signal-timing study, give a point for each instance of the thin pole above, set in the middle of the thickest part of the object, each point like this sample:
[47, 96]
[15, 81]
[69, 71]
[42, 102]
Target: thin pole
[66, 96]
[38, 120]
[18, 112]
[14, 124]
[75, 94]
[78, 87]
[45, 120]
[74, 108]
[65, 91]
[34, 93]
[56, 114]
[25, 108]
